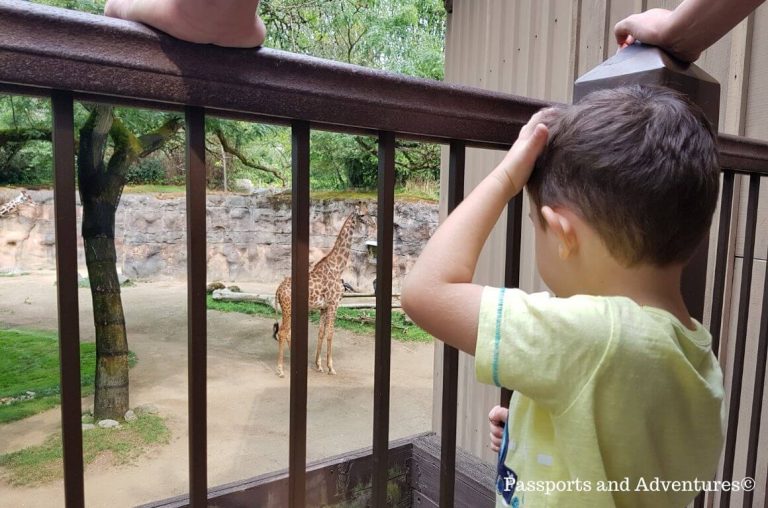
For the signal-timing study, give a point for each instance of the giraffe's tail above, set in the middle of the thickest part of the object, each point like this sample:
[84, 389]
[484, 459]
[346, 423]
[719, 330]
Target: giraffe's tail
[276, 326]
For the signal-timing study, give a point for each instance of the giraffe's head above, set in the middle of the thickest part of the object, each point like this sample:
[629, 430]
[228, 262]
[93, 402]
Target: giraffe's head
[360, 215]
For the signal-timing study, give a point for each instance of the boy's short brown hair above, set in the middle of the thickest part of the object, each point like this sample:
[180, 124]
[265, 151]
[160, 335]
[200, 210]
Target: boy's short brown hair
[639, 164]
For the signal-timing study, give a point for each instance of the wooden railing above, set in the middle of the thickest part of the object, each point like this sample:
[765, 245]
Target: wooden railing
[68, 56]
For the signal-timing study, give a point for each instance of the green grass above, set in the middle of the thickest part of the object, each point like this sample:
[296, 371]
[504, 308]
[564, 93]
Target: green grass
[154, 188]
[41, 464]
[29, 361]
[403, 194]
[361, 321]
[253, 308]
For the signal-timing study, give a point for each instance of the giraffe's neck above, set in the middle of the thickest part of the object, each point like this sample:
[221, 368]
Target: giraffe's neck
[339, 256]
[13, 204]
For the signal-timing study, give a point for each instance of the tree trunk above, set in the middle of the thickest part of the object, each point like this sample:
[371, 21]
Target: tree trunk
[111, 393]
[100, 189]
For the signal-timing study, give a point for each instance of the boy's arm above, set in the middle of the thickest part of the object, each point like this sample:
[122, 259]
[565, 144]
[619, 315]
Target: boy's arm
[438, 293]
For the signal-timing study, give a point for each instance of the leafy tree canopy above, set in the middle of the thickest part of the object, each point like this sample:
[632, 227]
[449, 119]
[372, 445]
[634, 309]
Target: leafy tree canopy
[403, 36]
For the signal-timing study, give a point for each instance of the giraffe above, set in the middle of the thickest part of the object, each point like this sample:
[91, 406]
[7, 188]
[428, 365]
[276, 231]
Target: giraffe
[9, 207]
[325, 290]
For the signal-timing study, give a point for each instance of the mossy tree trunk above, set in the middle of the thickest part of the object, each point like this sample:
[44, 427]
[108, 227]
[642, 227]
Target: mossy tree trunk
[101, 185]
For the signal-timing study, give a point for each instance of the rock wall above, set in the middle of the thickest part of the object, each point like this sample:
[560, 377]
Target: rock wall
[249, 237]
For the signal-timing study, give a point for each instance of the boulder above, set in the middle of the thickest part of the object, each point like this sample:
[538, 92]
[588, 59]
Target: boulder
[243, 185]
[146, 409]
[213, 286]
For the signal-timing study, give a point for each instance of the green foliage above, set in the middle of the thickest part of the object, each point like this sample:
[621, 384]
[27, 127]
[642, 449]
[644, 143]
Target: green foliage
[150, 170]
[91, 6]
[41, 464]
[29, 361]
[27, 163]
[404, 36]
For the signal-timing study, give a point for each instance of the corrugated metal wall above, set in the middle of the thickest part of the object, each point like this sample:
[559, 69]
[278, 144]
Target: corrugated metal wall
[536, 48]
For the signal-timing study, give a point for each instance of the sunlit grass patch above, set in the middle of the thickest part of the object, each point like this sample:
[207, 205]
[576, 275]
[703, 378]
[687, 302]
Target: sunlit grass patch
[154, 189]
[29, 363]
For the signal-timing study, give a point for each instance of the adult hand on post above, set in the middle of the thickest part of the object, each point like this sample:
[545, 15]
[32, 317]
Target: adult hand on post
[688, 30]
[229, 23]
[649, 27]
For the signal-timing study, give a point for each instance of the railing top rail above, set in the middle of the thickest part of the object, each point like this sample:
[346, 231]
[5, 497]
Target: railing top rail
[52, 48]
[743, 154]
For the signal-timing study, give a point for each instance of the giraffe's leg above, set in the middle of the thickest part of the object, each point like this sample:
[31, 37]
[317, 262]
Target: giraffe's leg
[283, 338]
[281, 347]
[329, 327]
[320, 337]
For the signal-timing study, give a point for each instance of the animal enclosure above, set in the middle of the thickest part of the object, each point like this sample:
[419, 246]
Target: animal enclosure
[39, 56]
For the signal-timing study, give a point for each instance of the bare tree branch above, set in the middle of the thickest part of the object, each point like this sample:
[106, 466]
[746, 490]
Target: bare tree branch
[153, 141]
[228, 148]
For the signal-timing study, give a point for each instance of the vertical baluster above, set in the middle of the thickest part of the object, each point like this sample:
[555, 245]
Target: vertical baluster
[196, 307]
[741, 336]
[721, 262]
[450, 354]
[512, 259]
[721, 267]
[66, 294]
[297, 448]
[757, 394]
[385, 224]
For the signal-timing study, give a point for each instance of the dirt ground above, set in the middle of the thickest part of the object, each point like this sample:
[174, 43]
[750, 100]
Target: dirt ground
[247, 402]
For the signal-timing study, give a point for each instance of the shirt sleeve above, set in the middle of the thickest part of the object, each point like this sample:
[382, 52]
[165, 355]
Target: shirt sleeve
[544, 347]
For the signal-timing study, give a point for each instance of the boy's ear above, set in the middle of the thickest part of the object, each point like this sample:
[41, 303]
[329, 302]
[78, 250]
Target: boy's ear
[562, 227]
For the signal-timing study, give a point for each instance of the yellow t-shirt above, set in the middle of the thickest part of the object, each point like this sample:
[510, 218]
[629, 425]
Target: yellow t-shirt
[605, 391]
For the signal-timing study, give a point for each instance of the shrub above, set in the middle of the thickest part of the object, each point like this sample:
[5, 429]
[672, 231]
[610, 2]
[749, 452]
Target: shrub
[147, 171]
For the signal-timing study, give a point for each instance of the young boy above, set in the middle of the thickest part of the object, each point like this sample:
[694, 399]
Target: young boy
[615, 384]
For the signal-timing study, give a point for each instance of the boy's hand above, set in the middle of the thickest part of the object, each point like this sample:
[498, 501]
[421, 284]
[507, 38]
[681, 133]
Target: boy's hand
[517, 165]
[497, 419]
[438, 293]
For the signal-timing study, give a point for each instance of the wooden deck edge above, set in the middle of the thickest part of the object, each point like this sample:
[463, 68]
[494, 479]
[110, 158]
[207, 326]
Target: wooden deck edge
[474, 478]
[340, 479]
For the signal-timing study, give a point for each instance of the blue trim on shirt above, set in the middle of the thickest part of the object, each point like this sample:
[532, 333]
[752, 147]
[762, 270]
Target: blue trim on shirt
[497, 338]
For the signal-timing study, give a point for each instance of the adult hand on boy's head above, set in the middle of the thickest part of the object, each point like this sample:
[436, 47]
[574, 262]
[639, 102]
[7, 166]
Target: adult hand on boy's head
[518, 163]
[497, 418]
